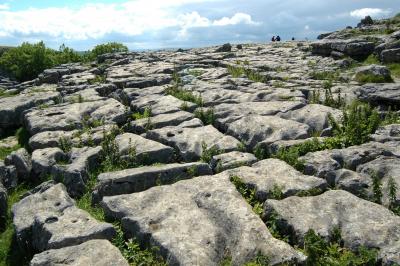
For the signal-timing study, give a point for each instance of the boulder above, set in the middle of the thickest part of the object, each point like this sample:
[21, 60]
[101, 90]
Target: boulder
[142, 178]
[360, 222]
[379, 74]
[390, 56]
[198, 221]
[43, 160]
[3, 205]
[8, 175]
[93, 252]
[227, 47]
[387, 133]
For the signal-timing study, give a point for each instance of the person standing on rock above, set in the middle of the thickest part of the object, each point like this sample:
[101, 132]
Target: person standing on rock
[273, 39]
[278, 38]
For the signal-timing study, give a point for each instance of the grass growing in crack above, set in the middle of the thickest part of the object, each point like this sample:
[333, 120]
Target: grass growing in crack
[325, 75]
[329, 100]
[364, 78]
[249, 194]
[5, 151]
[392, 194]
[99, 79]
[243, 68]
[376, 188]
[178, 92]
[320, 252]
[140, 115]
[208, 153]
[206, 116]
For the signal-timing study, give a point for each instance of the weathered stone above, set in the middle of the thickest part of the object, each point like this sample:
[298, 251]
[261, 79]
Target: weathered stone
[361, 223]
[142, 178]
[390, 56]
[380, 94]
[381, 73]
[54, 198]
[161, 104]
[50, 139]
[231, 160]
[43, 160]
[12, 108]
[197, 221]
[227, 47]
[72, 116]
[351, 47]
[74, 173]
[73, 226]
[145, 150]
[21, 159]
[162, 120]
[270, 175]
[190, 142]
[8, 175]
[255, 129]
[387, 133]
[94, 252]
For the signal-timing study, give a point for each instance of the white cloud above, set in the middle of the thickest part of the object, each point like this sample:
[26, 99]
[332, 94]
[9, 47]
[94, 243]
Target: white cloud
[236, 19]
[4, 7]
[93, 21]
[373, 12]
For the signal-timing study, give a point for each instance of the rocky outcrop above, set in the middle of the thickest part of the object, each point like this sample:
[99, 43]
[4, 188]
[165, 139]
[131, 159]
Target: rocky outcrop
[357, 221]
[213, 220]
[353, 47]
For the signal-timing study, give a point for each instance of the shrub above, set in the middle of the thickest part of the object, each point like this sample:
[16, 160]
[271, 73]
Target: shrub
[207, 116]
[208, 153]
[111, 47]
[324, 75]
[369, 78]
[25, 62]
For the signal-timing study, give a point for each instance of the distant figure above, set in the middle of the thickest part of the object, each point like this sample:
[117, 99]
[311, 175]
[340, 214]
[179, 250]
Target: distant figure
[278, 38]
[292, 38]
[273, 39]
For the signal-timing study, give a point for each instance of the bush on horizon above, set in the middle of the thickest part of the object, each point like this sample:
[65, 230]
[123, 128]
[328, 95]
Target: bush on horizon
[27, 61]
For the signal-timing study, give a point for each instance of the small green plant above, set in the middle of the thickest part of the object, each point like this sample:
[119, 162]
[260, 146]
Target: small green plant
[276, 192]
[243, 69]
[99, 79]
[208, 153]
[23, 137]
[325, 75]
[5, 93]
[207, 116]
[370, 78]
[376, 188]
[248, 193]
[320, 252]
[146, 114]
[65, 144]
[5, 151]
[185, 95]
[358, 122]
[392, 195]
[273, 224]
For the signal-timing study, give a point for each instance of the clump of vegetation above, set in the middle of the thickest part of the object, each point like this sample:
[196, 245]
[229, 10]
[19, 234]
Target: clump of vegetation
[329, 99]
[259, 260]
[248, 193]
[206, 116]
[140, 115]
[370, 78]
[243, 68]
[177, 91]
[320, 252]
[392, 194]
[5, 93]
[376, 188]
[208, 153]
[325, 75]
[99, 79]
[358, 122]
[27, 61]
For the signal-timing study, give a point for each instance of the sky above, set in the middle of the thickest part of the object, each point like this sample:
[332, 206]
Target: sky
[159, 24]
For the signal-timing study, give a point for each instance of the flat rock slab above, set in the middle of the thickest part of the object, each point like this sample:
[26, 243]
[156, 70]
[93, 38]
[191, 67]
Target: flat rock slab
[268, 175]
[47, 218]
[90, 253]
[162, 120]
[71, 116]
[385, 94]
[12, 108]
[142, 178]
[254, 129]
[361, 223]
[387, 133]
[189, 141]
[196, 222]
[164, 104]
[231, 160]
[146, 151]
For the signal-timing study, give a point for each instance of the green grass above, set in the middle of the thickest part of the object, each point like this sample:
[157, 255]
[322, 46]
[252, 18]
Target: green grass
[6, 151]
[5, 93]
[10, 253]
[394, 69]
[325, 75]
[207, 117]
[321, 252]
[369, 78]
[249, 194]
[99, 79]
[140, 115]
[243, 69]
